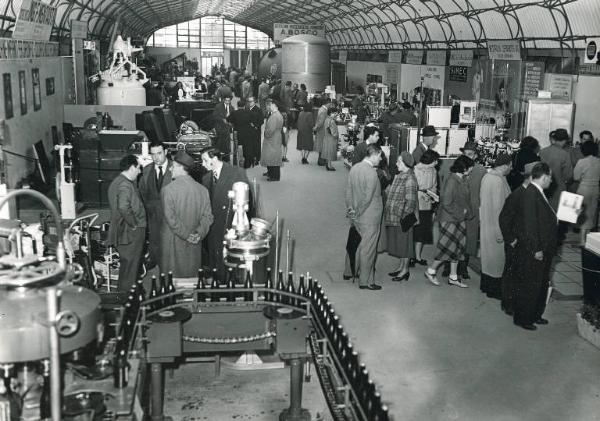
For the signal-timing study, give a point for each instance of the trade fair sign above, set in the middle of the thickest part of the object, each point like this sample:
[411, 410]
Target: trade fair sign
[34, 21]
[592, 51]
[462, 58]
[457, 73]
[414, 57]
[282, 31]
[504, 50]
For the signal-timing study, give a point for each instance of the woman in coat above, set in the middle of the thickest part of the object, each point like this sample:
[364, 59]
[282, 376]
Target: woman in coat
[271, 149]
[305, 141]
[587, 172]
[401, 203]
[452, 216]
[330, 140]
[493, 193]
[426, 175]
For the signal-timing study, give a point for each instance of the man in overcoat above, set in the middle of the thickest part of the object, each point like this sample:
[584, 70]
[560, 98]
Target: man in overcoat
[127, 231]
[271, 148]
[538, 247]
[186, 221]
[154, 177]
[219, 180]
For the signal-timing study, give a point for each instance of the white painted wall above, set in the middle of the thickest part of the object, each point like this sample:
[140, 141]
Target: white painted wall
[586, 94]
[356, 72]
[22, 131]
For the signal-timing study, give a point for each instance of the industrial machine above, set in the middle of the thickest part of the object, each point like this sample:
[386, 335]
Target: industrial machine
[123, 82]
[90, 369]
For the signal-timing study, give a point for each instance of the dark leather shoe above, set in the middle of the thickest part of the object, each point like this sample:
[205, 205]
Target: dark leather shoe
[411, 263]
[527, 326]
[330, 169]
[284, 159]
[346, 277]
[422, 262]
[394, 274]
[372, 287]
[401, 278]
[541, 321]
[265, 174]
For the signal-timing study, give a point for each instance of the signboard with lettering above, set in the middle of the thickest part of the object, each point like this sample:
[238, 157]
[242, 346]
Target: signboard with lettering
[532, 79]
[283, 30]
[560, 85]
[79, 29]
[462, 58]
[592, 51]
[414, 57]
[395, 56]
[504, 50]
[34, 21]
[458, 73]
[436, 57]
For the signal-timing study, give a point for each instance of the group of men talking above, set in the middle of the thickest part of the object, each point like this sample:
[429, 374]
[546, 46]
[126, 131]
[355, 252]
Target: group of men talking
[179, 218]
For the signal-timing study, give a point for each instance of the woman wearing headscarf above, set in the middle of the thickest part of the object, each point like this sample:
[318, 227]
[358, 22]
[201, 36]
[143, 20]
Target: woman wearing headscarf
[452, 215]
[400, 214]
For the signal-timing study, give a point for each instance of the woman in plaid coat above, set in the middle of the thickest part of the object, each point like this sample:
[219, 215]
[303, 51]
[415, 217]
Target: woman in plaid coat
[453, 212]
[401, 203]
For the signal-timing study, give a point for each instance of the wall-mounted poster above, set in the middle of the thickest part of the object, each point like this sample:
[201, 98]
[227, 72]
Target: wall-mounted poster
[23, 91]
[37, 90]
[49, 86]
[8, 102]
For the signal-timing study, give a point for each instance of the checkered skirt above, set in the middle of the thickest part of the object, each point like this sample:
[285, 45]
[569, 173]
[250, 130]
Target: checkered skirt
[452, 244]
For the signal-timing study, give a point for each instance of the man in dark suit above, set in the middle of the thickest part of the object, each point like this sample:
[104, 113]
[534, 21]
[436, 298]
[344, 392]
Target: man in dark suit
[127, 230]
[252, 154]
[223, 109]
[538, 246]
[154, 177]
[218, 180]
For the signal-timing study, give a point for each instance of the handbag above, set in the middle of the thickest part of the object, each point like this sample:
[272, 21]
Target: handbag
[408, 221]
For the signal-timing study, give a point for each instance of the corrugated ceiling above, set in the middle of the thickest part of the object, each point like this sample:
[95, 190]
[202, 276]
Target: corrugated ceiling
[362, 24]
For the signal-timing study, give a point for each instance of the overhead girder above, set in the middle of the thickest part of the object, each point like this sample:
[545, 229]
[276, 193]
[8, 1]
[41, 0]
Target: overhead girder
[387, 24]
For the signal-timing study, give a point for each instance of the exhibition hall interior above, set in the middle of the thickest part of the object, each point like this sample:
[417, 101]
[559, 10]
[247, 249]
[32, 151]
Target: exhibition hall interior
[299, 210]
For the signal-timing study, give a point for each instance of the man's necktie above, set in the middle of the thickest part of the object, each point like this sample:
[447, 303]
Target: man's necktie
[159, 179]
[215, 178]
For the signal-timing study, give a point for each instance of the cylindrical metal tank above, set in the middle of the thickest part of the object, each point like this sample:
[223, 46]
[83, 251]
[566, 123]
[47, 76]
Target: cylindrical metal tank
[122, 92]
[305, 59]
[270, 64]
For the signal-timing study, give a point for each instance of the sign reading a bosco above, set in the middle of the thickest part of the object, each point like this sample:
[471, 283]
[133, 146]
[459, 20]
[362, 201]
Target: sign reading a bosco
[283, 30]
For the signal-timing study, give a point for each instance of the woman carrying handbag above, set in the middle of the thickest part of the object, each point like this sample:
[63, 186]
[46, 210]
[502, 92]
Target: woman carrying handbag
[401, 214]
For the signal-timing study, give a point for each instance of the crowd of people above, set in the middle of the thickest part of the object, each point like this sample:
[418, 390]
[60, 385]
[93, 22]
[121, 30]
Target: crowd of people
[505, 214]
[165, 212]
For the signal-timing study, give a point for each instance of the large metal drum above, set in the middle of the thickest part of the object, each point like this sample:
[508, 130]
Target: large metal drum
[306, 60]
[270, 64]
[24, 322]
[121, 92]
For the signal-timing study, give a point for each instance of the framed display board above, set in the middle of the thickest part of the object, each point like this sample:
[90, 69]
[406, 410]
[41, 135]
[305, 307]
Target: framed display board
[438, 116]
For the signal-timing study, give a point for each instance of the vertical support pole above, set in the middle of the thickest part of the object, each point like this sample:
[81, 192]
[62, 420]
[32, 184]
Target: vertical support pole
[295, 412]
[55, 392]
[156, 403]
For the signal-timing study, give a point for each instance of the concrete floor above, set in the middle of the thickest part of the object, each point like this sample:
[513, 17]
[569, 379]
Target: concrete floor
[435, 353]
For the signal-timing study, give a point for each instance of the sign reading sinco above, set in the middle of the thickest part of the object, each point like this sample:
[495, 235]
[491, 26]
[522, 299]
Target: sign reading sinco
[283, 30]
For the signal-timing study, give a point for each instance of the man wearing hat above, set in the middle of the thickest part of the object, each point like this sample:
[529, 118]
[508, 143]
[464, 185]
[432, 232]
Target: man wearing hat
[428, 138]
[187, 219]
[493, 193]
[272, 141]
[511, 222]
[559, 161]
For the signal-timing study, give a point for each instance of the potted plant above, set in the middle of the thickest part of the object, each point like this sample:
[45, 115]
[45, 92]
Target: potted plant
[588, 324]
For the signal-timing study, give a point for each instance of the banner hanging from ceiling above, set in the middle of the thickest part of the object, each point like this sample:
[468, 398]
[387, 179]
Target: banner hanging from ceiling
[35, 21]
